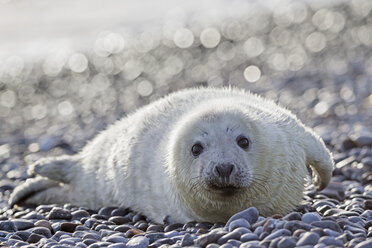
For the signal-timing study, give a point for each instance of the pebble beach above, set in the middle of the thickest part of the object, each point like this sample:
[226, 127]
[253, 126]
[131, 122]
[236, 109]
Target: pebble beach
[314, 59]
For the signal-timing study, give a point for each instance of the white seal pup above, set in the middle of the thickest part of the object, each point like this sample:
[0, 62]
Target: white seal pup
[197, 154]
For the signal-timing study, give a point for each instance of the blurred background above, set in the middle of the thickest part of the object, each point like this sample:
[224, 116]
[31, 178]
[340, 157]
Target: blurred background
[70, 68]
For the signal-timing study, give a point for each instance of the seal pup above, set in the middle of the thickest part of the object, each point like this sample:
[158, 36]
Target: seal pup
[197, 154]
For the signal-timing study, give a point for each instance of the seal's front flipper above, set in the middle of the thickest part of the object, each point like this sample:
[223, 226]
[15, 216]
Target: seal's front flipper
[39, 190]
[61, 169]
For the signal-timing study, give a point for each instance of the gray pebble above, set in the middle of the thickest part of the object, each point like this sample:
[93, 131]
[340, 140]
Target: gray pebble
[33, 216]
[287, 242]
[80, 245]
[280, 232]
[364, 244]
[171, 234]
[210, 237]
[308, 238]
[327, 224]
[310, 217]
[226, 246]
[89, 241]
[23, 224]
[154, 236]
[250, 214]
[119, 220]
[78, 214]
[250, 244]
[187, 240]
[330, 241]
[59, 214]
[226, 237]
[42, 231]
[138, 242]
[115, 239]
[248, 237]
[296, 224]
[117, 246]
[34, 238]
[8, 226]
[239, 223]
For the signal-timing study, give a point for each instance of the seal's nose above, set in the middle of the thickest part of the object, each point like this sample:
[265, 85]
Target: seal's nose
[224, 170]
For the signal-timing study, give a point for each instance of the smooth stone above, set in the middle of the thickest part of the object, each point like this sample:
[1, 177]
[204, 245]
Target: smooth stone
[92, 236]
[68, 227]
[226, 246]
[23, 224]
[154, 236]
[328, 224]
[138, 242]
[119, 220]
[248, 237]
[250, 214]
[239, 223]
[210, 237]
[106, 211]
[364, 244]
[116, 239]
[251, 244]
[34, 238]
[296, 224]
[123, 228]
[119, 212]
[23, 234]
[156, 228]
[308, 238]
[280, 232]
[33, 216]
[330, 241]
[310, 217]
[226, 237]
[363, 140]
[334, 190]
[187, 240]
[287, 242]
[43, 223]
[234, 243]
[89, 241]
[292, 216]
[8, 226]
[78, 214]
[171, 234]
[59, 214]
[172, 227]
[117, 246]
[42, 231]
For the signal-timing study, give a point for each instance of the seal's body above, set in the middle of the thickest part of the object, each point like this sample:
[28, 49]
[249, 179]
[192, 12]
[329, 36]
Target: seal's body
[198, 154]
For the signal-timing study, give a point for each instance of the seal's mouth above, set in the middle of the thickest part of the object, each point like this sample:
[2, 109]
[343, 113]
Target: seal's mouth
[225, 190]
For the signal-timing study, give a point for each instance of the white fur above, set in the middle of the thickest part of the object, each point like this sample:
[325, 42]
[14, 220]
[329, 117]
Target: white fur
[144, 161]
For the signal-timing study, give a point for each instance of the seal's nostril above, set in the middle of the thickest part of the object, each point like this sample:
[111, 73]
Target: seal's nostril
[224, 170]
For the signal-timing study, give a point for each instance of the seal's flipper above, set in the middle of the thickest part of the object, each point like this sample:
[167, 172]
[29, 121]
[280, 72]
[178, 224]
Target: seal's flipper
[39, 190]
[60, 169]
[319, 158]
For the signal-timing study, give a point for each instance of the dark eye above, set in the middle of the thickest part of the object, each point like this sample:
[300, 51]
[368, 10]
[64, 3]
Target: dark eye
[197, 149]
[243, 142]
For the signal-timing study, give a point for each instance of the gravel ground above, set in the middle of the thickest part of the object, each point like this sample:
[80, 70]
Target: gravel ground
[314, 60]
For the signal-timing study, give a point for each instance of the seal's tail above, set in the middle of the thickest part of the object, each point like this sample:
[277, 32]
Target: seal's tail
[50, 184]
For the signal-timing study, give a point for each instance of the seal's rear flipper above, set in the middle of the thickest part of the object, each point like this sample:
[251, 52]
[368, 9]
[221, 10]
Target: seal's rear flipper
[39, 190]
[60, 169]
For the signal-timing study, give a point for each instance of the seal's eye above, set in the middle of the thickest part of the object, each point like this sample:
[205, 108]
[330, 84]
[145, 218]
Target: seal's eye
[197, 149]
[243, 142]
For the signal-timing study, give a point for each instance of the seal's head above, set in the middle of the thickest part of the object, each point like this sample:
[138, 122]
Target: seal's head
[225, 157]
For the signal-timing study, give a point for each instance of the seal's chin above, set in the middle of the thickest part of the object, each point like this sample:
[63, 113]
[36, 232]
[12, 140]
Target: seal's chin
[225, 190]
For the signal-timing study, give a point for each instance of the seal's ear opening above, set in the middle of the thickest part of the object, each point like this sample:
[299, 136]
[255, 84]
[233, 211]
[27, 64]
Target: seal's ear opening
[319, 159]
